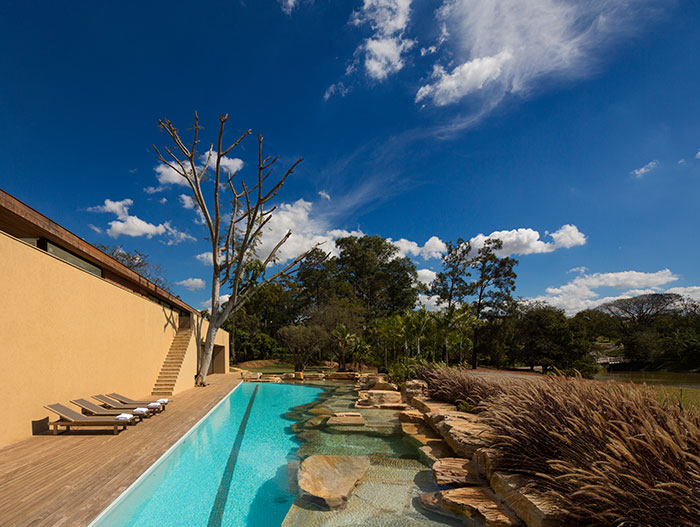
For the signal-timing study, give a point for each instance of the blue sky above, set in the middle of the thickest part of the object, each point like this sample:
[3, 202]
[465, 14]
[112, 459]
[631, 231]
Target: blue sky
[570, 128]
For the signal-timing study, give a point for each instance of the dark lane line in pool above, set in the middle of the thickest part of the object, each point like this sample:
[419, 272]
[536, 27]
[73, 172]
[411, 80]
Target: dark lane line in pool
[217, 510]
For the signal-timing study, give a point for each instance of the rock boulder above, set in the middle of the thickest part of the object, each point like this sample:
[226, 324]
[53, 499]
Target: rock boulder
[331, 479]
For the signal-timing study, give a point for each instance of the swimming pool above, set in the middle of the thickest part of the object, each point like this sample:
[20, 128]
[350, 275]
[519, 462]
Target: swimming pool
[230, 470]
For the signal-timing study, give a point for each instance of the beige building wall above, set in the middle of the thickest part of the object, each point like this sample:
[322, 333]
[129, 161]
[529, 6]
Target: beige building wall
[65, 333]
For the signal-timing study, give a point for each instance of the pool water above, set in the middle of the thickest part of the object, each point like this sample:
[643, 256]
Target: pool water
[232, 470]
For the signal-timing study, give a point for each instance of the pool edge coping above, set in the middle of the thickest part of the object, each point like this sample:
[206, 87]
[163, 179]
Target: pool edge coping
[160, 459]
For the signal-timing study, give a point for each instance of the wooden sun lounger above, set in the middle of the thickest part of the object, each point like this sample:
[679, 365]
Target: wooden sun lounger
[126, 400]
[69, 418]
[116, 405]
[95, 409]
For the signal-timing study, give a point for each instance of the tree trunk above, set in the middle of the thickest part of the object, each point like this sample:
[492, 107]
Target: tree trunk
[206, 355]
[447, 353]
[475, 357]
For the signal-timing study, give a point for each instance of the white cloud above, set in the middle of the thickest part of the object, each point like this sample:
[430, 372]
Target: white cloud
[288, 5]
[229, 165]
[641, 172]
[134, 226]
[581, 293]
[502, 46]
[527, 241]
[697, 156]
[186, 201]
[428, 302]
[163, 201]
[176, 237]
[471, 76]
[307, 230]
[338, 88]
[95, 228]
[206, 304]
[433, 248]
[384, 51]
[426, 276]
[691, 292]
[681, 161]
[128, 225]
[384, 56]
[205, 258]
[153, 190]
[167, 176]
[580, 270]
[120, 208]
[324, 195]
[192, 284]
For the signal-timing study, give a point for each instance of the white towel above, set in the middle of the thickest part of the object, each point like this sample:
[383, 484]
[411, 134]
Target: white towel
[154, 405]
[162, 401]
[140, 411]
[124, 417]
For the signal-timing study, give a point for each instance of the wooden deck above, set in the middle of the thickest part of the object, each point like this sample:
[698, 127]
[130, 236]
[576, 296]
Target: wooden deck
[67, 480]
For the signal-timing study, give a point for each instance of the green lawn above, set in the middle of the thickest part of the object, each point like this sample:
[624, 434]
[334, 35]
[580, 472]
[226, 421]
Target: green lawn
[688, 396]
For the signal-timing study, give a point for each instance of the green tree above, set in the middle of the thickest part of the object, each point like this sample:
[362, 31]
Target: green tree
[343, 340]
[139, 263]
[380, 281]
[493, 286]
[303, 343]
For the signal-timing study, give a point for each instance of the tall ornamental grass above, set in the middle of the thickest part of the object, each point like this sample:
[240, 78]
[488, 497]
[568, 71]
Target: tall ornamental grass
[610, 454]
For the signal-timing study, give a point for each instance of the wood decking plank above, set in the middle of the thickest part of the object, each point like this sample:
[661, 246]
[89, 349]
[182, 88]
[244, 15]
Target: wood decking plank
[67, 480]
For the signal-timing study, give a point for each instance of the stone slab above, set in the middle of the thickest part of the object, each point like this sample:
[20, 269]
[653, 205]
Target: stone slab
[331, 479]
[456, 472]
[480, 503]
[531, 506]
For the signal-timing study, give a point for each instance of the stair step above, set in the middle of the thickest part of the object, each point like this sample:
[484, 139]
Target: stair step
[172, 364]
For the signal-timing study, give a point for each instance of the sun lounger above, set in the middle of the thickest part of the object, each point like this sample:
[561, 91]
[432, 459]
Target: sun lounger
[116, 405]
[70, 418]
[95, 409]
[126, 400]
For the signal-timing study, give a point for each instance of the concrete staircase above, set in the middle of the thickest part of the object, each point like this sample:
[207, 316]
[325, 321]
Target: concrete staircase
[165, 384]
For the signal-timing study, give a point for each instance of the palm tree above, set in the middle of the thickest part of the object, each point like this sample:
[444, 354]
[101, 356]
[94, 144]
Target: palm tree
[343, 339]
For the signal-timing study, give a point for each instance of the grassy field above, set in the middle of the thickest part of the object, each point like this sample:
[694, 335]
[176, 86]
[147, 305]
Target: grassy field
[687, 396]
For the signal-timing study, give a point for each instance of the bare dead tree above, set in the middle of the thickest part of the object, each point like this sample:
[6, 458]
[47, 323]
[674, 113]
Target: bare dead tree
[235, 221]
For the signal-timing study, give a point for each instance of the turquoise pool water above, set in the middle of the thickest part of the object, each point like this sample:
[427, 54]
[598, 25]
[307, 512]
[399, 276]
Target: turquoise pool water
[230, 471]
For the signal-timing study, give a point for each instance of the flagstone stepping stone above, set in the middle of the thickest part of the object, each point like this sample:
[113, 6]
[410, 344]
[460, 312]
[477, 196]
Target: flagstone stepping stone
[411, 416]
[531, 506]
[331, 479]
[383, 399]
[486, 461]
[426, 405]
[456, 472]
[433, 452]
[465, 433]
[346, 419]
[480, 503]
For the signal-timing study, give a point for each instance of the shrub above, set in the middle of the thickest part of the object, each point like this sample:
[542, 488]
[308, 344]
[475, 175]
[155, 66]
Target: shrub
[610, 454]
[458, 386]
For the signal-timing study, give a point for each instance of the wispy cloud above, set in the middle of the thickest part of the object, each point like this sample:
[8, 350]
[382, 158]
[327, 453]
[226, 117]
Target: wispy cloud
[503, 47]
[641, 172]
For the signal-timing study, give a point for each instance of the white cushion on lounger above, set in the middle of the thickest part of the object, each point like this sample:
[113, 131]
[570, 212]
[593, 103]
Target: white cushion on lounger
[162, 401]
[124, 417]
[154, 405]
[140, 411]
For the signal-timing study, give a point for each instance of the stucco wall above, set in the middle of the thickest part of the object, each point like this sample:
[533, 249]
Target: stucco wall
[65, 333]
